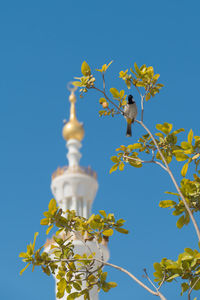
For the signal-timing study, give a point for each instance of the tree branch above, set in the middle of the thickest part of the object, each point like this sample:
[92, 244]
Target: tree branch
[103, 92]
[173, 179]
[165, 163]
[190, 291]
[157, 293]
[146, 161]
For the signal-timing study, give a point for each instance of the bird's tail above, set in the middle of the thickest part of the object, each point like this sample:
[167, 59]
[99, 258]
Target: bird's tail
[128, 131]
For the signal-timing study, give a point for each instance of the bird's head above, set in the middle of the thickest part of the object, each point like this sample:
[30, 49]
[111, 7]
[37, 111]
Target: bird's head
[130, 99]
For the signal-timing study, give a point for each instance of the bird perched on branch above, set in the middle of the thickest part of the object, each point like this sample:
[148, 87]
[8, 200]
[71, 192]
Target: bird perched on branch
[130, 113]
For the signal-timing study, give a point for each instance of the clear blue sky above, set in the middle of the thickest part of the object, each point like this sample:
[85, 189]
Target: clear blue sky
[43, 44]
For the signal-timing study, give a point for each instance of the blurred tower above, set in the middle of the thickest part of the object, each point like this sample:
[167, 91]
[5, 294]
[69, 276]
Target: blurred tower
[74, 187]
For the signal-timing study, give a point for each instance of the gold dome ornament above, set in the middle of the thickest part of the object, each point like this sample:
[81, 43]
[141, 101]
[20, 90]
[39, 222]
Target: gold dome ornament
[73, 129]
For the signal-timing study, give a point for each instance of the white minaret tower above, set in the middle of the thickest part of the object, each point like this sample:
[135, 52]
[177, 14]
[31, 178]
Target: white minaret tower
[75, 187]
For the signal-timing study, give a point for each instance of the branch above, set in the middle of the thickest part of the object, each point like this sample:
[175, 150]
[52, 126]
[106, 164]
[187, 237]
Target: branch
[173, 179]
[103, 92]
[146, 161]
[157, 293]
[157, 289]
[165, 163]
[104, 84]
[190, 291]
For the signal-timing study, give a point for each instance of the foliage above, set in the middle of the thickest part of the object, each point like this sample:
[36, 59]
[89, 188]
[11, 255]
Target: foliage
[72, 269]
[187, 267]
[162, 148]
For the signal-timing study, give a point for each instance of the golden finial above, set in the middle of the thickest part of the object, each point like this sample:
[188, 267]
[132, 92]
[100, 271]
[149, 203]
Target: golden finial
[73, 129]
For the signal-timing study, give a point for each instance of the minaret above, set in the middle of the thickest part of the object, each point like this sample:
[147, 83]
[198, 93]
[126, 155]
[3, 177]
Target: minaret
[74, 187]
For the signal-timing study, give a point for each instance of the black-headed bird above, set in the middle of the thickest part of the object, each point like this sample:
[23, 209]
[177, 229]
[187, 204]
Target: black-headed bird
[130, 113]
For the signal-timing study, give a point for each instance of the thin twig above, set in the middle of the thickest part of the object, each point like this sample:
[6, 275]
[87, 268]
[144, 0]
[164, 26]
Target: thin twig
[104, 84]
[163, 280]
[119, 109]
[190, 291]
[157, 289]
[145, 161]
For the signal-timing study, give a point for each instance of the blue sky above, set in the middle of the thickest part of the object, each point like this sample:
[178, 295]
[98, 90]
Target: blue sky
[43, 44]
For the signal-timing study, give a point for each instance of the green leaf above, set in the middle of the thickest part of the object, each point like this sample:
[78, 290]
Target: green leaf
[24, 269]
[121, 93]
[137, 69]
[122, 230]
[179, 130]
[85, 69]
[112, 284]
[108, 232]
[196, 284]
[157, 267]
[185, 287]
[180, 222]
[172, 277]
[35, 236]
[23, 255]
[165, 127]
[134, 146]
[190, 136]
[115, 93]
[77, 286]
[49, 229]
[180, 156]
[185, 145]
[148, 96]
[167, 203]
[115, 159]
[77, 83]
[103, 213]
[73, 296]
[44, 221]
[184, 169]
[114, 168]
[121, 166]
[52, 205]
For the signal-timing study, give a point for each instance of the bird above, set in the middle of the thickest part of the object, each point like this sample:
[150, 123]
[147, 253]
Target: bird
[130, 113]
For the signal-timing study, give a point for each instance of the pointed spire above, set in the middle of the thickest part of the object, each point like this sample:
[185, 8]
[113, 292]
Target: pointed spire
[73, 129]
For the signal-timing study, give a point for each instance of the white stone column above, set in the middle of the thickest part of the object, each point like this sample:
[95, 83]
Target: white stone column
[73, 154]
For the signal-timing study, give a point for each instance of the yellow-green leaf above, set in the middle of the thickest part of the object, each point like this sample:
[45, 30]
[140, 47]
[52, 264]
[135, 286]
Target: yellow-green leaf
[184, 169]
[103, 213]
[190, 136]
[49, 229]
[122, 230]
[52, 205]
[114, 168]
[180, 222]
[112, 284]
[115, 93]
[85, 69]
[167, 203]
[35, 236]
[148, 96]
[77, 83]
[156, 76]
[121, 166]
[121, 94]
[137, 69]
[108, 232]
[180, 156]
[165, 127]
[24, 269]
[44, 221]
